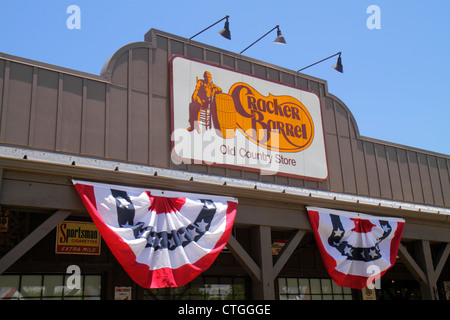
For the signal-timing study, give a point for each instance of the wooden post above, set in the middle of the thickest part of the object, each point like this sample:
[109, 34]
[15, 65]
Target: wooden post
[244, 259]
[262, 239]
[34, 237]
[262, 249]
[425, 260]
[287, 251]
[412, 266]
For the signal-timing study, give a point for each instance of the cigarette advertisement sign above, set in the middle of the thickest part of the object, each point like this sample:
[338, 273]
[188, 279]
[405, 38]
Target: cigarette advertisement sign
[75, 237]
[228, 118]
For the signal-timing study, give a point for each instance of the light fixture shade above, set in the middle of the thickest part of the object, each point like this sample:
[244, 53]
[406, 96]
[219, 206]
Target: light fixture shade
[279, 39]
[225, 32]
[338, 66]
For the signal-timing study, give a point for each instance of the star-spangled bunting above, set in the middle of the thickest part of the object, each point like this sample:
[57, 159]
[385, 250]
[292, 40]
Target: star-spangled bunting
[353, 245]
[161, 238]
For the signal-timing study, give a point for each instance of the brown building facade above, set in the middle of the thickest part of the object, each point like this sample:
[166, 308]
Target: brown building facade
[58, 124]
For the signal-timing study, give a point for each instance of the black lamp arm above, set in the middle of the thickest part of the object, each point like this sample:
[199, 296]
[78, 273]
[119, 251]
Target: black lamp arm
[339, 53]
[226, 17]
[276, 27]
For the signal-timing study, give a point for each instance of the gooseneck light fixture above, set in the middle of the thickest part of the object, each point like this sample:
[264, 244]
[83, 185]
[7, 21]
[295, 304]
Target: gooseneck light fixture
[338, 66]
[279, 39]
[225, 32]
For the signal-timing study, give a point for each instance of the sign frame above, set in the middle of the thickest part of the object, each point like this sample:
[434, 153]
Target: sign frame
[177, 157]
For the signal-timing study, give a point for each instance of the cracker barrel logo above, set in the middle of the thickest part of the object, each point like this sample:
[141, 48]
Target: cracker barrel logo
[278, 123]
[228, 118]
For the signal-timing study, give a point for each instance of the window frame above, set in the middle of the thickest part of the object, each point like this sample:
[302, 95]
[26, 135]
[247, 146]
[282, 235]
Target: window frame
[204, 288]
[65, 293]
[308, 288]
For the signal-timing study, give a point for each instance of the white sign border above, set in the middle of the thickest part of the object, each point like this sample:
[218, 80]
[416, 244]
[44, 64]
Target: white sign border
[183, 97]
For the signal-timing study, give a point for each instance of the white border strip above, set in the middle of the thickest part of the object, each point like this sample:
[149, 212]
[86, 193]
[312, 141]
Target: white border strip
[107, 165]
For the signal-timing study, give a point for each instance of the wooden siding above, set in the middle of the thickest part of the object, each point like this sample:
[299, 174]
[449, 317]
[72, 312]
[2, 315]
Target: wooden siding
[124, 115]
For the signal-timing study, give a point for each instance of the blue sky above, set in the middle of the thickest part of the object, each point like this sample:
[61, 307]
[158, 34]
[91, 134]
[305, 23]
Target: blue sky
[395, 81]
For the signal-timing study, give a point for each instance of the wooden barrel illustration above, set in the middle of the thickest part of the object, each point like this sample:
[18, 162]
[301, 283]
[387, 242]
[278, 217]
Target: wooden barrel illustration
[226, 115]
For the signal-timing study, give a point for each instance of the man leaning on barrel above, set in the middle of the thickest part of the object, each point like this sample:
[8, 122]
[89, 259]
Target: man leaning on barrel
[202, 98]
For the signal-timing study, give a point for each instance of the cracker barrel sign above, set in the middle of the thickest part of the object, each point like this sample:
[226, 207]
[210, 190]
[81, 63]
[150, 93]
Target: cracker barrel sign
[75, 237]
[227, 118]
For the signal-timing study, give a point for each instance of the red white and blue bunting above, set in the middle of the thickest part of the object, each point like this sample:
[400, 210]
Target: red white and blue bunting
[161, 238]
[356, 248]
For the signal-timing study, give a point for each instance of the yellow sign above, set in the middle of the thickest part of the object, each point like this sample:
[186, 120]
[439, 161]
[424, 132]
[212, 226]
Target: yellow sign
[280, 123]
[75, 237]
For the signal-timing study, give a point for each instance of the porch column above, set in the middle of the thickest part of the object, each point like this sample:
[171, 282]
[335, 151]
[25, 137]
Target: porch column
[425, 260]
[262, 248]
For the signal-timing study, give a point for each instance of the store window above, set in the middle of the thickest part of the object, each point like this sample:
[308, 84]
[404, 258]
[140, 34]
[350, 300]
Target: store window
[311, 289]
[48, 287]
[202, 288]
